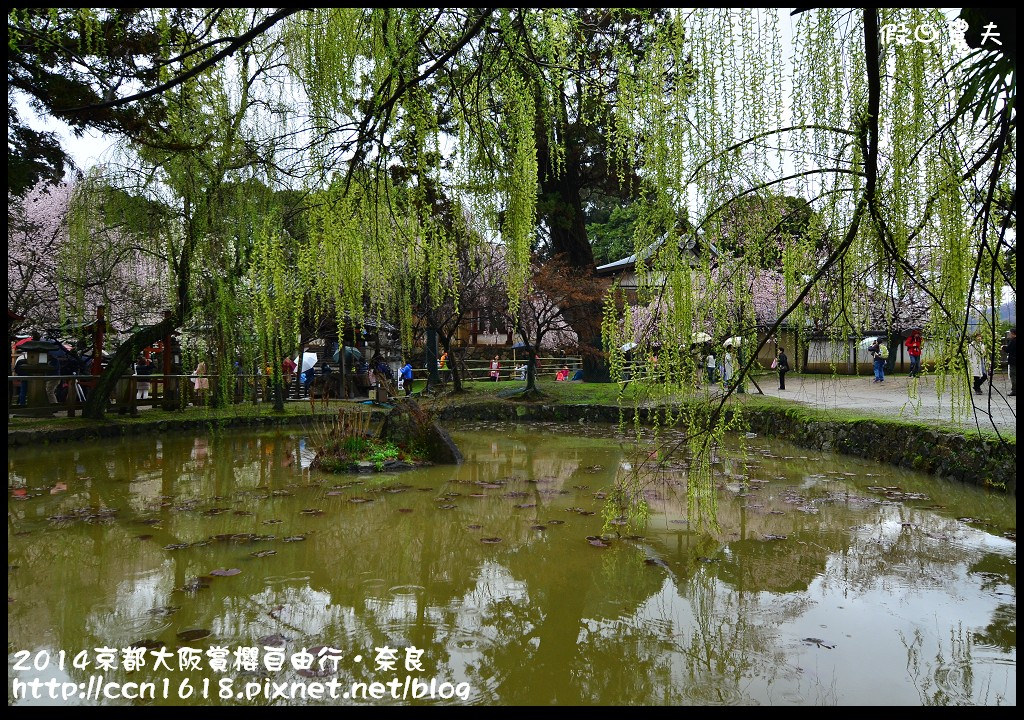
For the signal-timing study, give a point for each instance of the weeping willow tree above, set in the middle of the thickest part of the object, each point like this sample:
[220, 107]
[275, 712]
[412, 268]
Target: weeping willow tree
[899, 150]
[886, 140]
[209, 166]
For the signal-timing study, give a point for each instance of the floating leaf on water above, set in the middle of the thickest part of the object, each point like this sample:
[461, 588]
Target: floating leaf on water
[490, 540]
[597, 542]
[294, 538]
[619, 521]
[476, 495]
[332, 493]
[272, 522]
[164, 611]
[263, 553]
[148, 521]
[538, 527]
[200, 543]
[215, 511]
[446, 507]
[176, 546]
[194, 585]
[773, 537]
[359, 500]
[145, 537]
[275, 640]
[473, 527]
[311, 511]
[220, 572]
[555, 522]
[490, 486]
[281, 493]
[600, 495]
[523, 506]
[243, 513]
[708, 560]
[195, 634]
[405, 510]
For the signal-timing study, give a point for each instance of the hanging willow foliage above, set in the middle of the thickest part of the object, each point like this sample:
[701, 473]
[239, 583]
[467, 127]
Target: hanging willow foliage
[410, 117]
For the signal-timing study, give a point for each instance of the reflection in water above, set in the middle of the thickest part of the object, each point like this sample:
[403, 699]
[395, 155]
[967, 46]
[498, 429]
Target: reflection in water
[830, 581]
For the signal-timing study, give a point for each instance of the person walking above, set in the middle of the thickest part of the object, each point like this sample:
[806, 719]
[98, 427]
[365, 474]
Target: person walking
[782, 365]
[913, 344]
[495, 369]
[879, 352]
[406, 373]
[976, 362]
[1010, 348]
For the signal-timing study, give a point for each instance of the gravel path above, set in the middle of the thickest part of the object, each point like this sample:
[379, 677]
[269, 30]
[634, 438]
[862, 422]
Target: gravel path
[894, 397]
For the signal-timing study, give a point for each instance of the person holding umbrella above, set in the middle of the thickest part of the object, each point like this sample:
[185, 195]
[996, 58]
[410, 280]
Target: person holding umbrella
[913, 344]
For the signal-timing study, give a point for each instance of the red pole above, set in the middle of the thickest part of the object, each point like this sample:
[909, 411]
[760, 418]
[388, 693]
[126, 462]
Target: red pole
[97, 341]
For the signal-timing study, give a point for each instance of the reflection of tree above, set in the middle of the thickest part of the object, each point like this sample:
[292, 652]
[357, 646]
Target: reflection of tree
[540, 617]
[999, 571]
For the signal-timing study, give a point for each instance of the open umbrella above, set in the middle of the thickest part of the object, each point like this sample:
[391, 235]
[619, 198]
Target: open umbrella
[352, 355]
[734, 341]
[308, 361]
[628, 346]
[867, 342]
[701, 337]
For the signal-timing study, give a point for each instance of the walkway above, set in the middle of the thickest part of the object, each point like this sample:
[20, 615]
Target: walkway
[893, 398]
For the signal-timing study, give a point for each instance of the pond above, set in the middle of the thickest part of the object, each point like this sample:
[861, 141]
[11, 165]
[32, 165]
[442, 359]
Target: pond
[831, 581]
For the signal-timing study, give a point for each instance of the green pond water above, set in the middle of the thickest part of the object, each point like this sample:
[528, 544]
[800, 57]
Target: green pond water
[832, 580]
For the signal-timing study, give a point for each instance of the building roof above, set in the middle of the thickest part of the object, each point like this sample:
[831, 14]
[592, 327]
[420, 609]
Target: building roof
[628, 263]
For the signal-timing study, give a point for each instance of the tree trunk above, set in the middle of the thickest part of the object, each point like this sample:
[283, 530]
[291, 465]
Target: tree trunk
[99, 399]
[531, 370]
[562, 207]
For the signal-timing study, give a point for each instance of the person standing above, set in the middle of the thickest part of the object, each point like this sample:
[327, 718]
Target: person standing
[144, 368]
[442, 365]
[914, 350]
[879, 353]
[976, 362]
[711, 366]
[782, 365]
[1010, 348]
[20, 369]
[726, 368]
[288, 368]
[202, 383]
[406, 373]
[495, 369]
